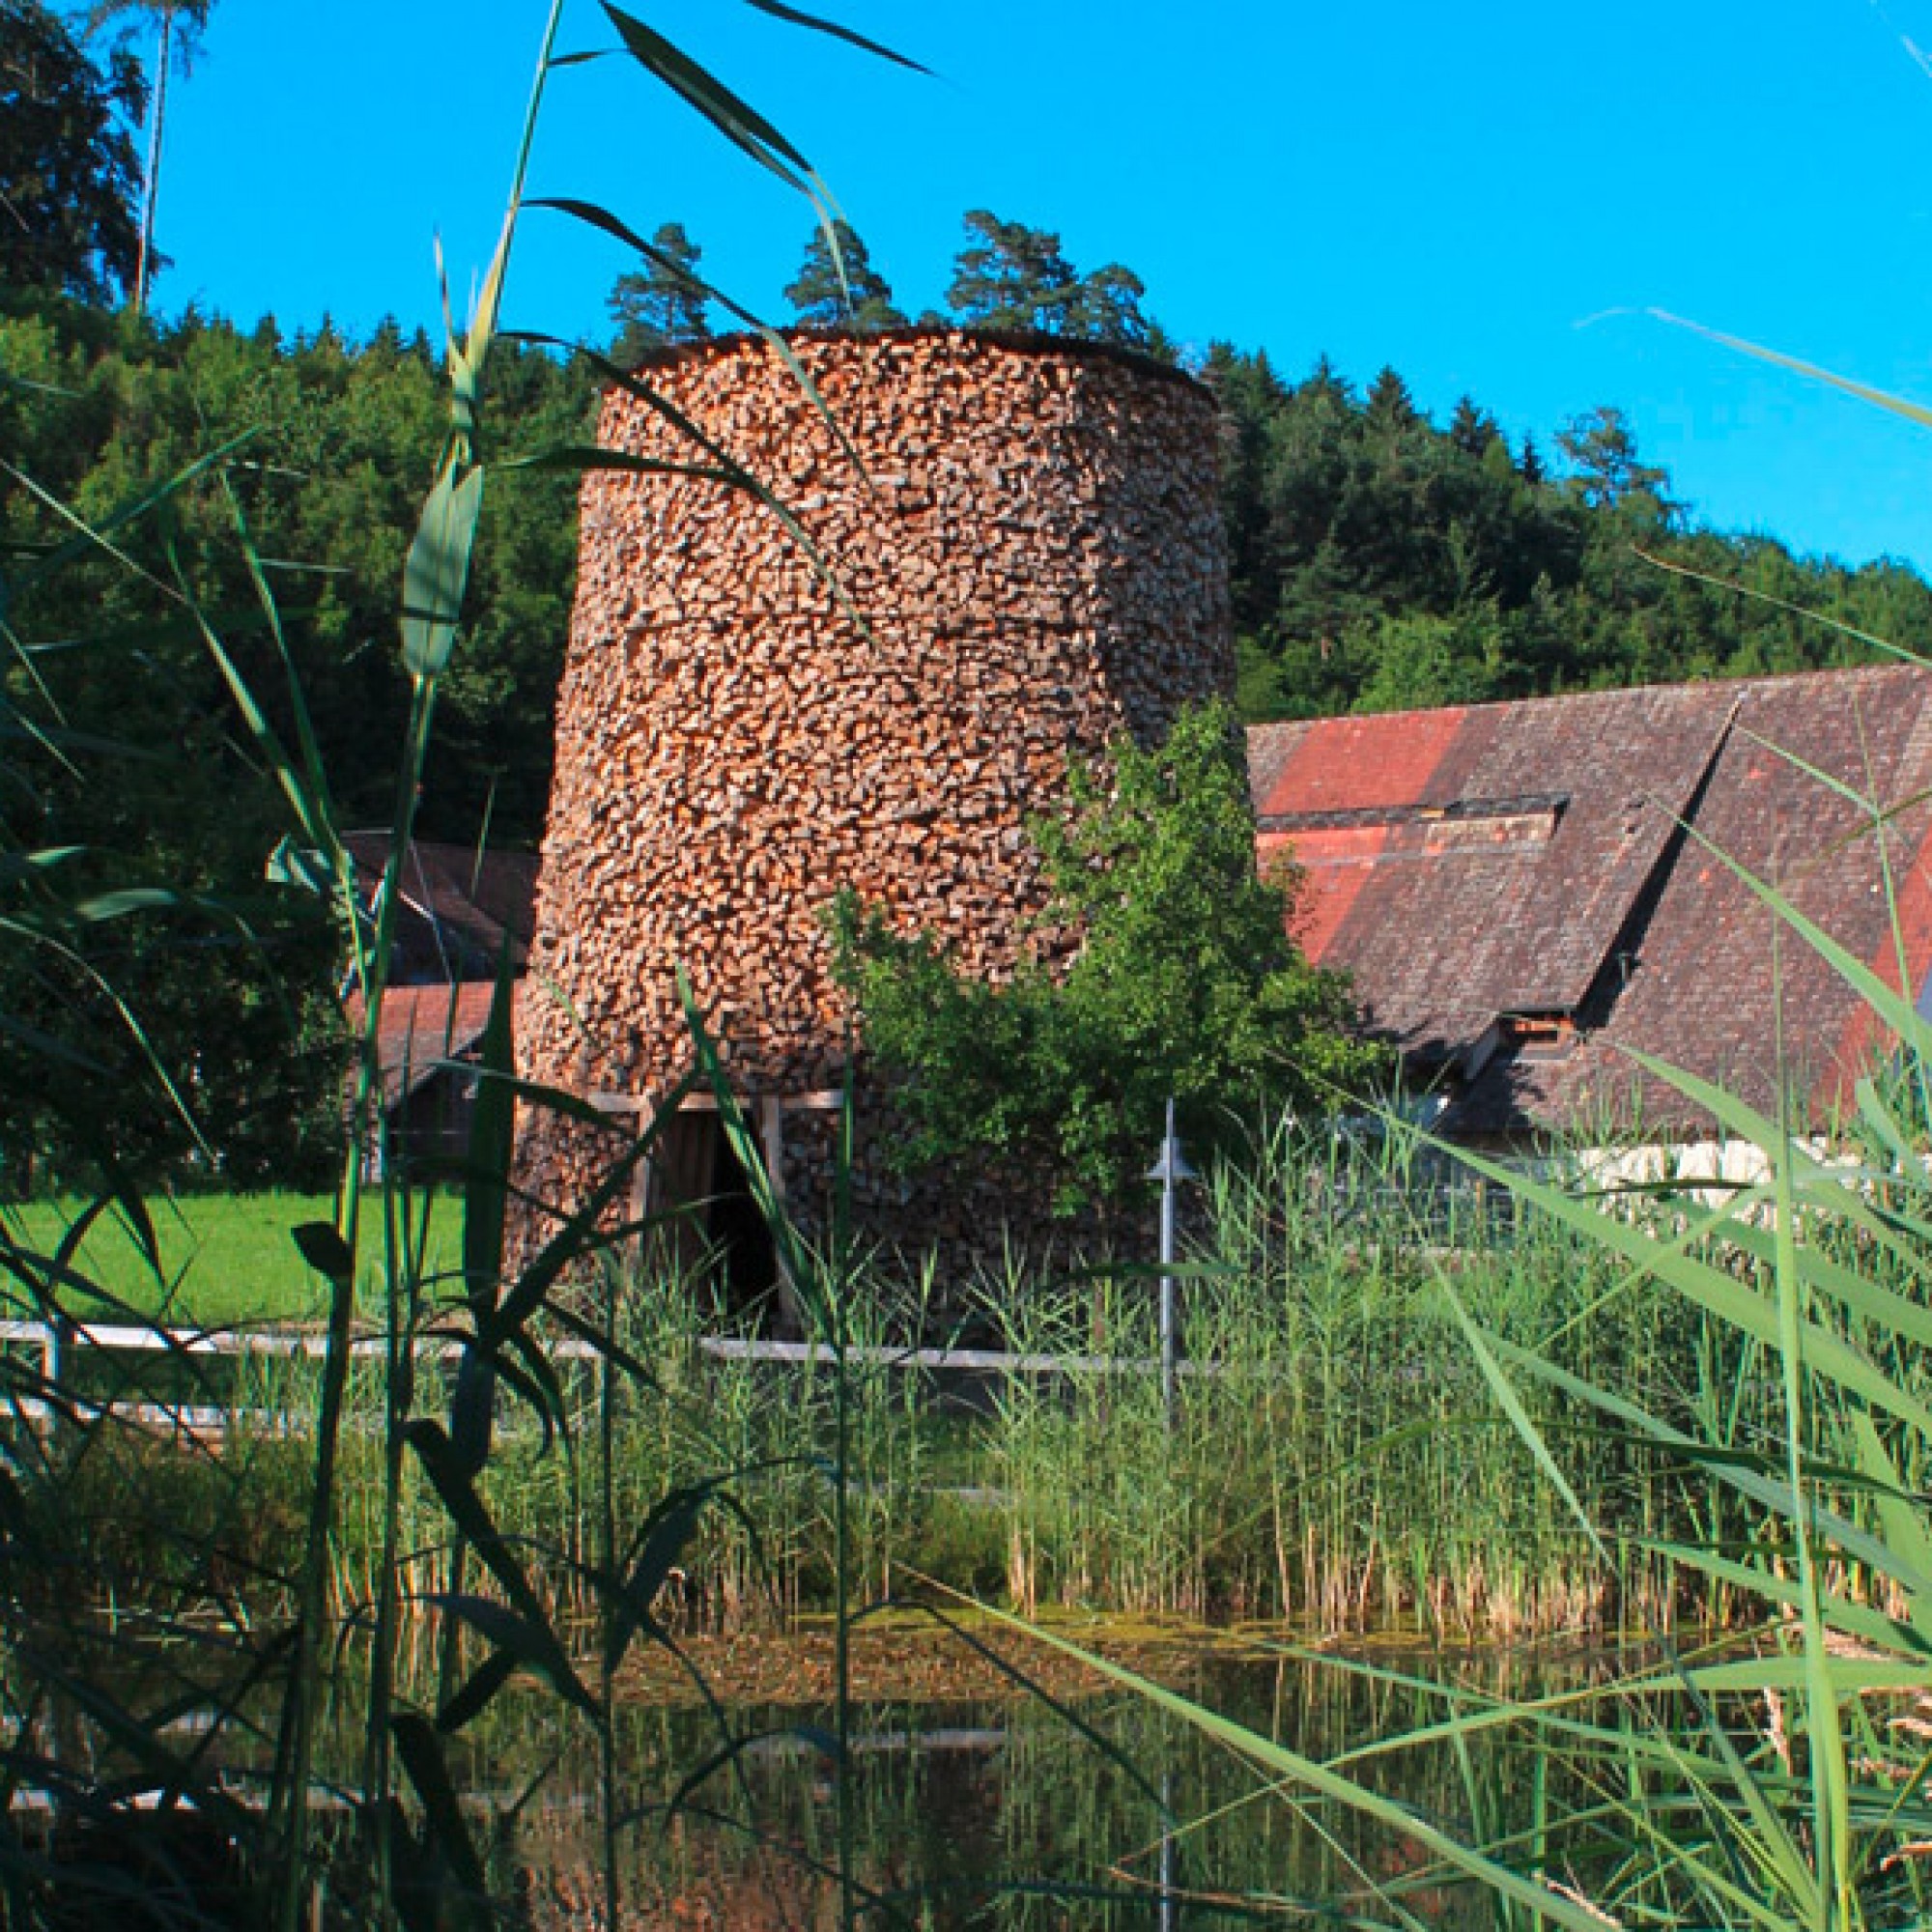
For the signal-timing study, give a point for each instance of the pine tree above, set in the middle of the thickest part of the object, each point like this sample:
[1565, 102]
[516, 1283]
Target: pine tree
[1391, 407]
[1012, 276]
[861, 300]
[1326, 382]
[662, 303]
[1606, 470]
[68, 171]
[1107, 307]
[1472, 429]
[178, 27]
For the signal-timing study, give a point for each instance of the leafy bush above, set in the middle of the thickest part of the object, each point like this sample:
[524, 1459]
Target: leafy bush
[1184, 982]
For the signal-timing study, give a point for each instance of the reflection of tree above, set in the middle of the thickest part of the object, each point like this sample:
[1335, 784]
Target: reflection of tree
[178, 25]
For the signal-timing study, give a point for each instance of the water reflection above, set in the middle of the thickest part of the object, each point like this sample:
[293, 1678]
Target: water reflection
[1005, 1813]
[956, 1807]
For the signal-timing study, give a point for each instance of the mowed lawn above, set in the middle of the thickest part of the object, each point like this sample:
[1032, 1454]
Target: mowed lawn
[226, 1259]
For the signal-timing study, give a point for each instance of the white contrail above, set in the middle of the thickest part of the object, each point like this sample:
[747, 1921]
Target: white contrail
[1920, 59]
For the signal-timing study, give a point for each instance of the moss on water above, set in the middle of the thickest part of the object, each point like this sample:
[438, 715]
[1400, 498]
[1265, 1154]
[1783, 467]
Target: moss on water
[907, 1656]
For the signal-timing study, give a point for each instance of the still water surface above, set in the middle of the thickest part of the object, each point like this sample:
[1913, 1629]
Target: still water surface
[1090, 1808]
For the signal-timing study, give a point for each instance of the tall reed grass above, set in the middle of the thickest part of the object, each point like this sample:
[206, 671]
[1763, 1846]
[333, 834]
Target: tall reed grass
[1740, 1389]
[1336, 1457]
[390, 1476]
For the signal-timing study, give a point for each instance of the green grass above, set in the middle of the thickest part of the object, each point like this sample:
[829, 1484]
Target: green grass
[225, 1258]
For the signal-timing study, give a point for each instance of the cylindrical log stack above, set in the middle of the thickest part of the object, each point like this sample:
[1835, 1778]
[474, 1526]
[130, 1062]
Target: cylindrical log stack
[1029, 531]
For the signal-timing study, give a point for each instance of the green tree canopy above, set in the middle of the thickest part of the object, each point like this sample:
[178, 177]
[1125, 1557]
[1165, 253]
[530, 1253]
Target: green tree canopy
[106, 411]
[1472, 429]
[1014, 278]
[861, 300]
[1107, 307]
[1010, 276]
[68, 180]
[1377, 561]
[1606, 470]
[662, 303]
[1185, 983]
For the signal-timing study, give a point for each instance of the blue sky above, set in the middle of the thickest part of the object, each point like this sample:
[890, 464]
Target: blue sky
[1489, 197]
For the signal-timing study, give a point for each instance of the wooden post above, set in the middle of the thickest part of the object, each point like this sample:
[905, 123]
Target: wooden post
[632, 1106]
[770, 1124]
[771, 1120]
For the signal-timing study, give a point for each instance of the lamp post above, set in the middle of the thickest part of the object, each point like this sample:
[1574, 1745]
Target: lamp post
[1170, 1170]
[1170, 1903]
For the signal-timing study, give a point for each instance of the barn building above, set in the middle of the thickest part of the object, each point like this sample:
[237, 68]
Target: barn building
[461, 912]
[1526, 894]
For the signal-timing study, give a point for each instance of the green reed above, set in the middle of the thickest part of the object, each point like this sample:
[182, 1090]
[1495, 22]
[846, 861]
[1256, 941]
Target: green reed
[1734, 1387]
[377, 1545]
[1334, 1459]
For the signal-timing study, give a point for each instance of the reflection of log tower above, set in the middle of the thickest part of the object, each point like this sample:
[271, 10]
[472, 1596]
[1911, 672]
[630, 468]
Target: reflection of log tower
[1034, 544]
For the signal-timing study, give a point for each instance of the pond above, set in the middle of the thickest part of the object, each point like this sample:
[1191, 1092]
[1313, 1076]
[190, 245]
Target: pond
[976, 1800]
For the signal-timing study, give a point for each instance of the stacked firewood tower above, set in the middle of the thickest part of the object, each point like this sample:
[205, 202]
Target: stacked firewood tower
[1026, 540]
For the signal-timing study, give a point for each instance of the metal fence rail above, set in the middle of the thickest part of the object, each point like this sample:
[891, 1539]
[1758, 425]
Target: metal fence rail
[60, 1345]
[239, 1342]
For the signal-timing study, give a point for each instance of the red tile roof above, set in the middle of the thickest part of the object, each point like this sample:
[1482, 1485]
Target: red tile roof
[1499, 871]
[482, 901]
[421, 1028]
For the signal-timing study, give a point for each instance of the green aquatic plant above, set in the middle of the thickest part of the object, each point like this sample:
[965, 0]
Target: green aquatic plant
[1775, 1774]
[347, 1612]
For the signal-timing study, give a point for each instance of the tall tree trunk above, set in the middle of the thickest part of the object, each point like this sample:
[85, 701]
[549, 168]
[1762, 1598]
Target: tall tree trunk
[157, 114]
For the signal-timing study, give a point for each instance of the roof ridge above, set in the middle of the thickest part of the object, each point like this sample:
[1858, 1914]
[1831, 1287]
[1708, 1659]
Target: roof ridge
[1711, 688]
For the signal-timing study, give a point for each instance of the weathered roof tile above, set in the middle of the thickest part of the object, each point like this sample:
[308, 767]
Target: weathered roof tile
[1532, 862]
[423, 1028]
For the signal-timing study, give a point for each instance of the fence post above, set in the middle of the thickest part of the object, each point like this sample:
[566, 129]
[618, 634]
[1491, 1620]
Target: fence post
[1170, 1170]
